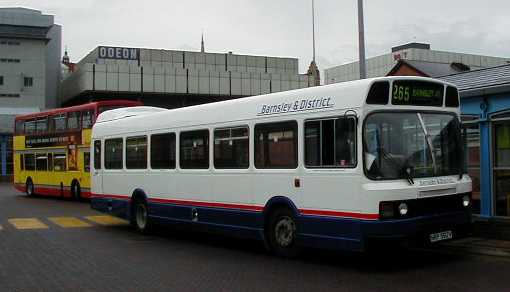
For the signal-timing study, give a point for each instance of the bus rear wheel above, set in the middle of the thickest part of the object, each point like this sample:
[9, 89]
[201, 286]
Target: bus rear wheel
[281, 233]
[141, 219]
[29, 187]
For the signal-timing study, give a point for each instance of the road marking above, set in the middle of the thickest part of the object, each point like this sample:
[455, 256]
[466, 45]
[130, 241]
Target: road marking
[106, 220]
[27, 223]
[69, 222]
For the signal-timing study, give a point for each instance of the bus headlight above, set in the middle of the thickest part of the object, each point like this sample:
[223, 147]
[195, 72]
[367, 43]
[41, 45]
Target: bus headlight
[466, 201]
[402, 209]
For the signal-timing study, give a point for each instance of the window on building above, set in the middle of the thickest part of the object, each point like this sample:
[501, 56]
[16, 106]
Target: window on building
[73, 120]
[276, 145]
[231, 148]
[29, 162]
[113, 153]
[330, 143]
[194, 149]
[87, 119]
[59, 162]
[136, 152]
[86, 161]
[41, 162]
[97, 154]
[28, 81]
[163, 151]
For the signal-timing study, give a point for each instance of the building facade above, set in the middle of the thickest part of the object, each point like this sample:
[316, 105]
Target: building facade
[485, 107]
[30, 50]
[169, 78]
[413, 52]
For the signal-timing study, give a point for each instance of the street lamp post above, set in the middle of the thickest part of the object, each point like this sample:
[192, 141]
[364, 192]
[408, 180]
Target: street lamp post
[361, 30]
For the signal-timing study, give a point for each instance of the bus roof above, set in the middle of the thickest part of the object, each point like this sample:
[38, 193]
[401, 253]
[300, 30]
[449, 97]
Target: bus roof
[81, 107]
[339, 96]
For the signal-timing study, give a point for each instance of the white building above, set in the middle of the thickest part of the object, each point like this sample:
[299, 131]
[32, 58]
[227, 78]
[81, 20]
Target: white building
[381, 65]
[170, 78]
[30, 50]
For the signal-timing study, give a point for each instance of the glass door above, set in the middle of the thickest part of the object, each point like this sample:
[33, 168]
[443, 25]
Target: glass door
[501, 138]
[471, 132]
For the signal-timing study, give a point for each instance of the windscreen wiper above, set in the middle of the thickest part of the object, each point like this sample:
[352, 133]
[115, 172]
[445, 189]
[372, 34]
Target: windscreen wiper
[401, 168]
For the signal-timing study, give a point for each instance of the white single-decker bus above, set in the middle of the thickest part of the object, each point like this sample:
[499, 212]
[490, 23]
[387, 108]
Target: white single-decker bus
[333, 166]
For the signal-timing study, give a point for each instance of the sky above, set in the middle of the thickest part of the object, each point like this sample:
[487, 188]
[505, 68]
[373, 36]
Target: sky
[280, 27]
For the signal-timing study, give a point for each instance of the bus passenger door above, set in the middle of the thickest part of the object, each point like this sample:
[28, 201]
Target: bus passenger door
[96, 185]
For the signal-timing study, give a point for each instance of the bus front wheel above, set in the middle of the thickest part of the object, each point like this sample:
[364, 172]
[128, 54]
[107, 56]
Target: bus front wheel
[281, 233]
[29, 188]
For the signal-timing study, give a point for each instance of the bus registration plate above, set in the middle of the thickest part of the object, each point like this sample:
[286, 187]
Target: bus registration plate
[435, 237]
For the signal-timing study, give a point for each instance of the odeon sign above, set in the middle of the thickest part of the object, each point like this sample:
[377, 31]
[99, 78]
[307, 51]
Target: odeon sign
[119, 53]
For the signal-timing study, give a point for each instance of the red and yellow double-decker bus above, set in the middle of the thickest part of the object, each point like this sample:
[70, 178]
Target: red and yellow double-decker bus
[51, 149]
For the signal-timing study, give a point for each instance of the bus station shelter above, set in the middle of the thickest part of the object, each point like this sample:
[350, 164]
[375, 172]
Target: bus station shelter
[485, 107]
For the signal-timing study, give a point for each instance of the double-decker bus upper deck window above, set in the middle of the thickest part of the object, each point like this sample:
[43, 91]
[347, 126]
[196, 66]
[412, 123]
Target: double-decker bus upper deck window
[452, 97]
[276, 145]
[87, 119]
[163, 151]
[97, 154]
[41, 125]
[194, 149]
[113, 153]
[59, 122]
[330, 143]
[378, 93]
[418, 93]
[231, 148]
[136, 152]
[73, 120]
[19, 127]
[30, 127]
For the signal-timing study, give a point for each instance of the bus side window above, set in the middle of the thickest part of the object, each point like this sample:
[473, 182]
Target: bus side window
[194, 149]
[41, 162]
[330, 143]
[41, 125]
[86, 161]
[29, 162]
[50, 161]
[113, 153]
[21, 162]
[276, 145]
[136, 152]
[163, 151]
[231, 148]
[59, 162]
[97, 154]
[20, 127]
[29, 127]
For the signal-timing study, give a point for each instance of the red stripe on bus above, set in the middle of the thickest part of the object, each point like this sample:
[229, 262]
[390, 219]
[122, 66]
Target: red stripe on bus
[20, 187]
[339, 214]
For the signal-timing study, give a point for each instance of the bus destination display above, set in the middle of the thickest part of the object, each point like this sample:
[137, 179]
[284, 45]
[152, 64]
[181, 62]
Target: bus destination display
[417, 93]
